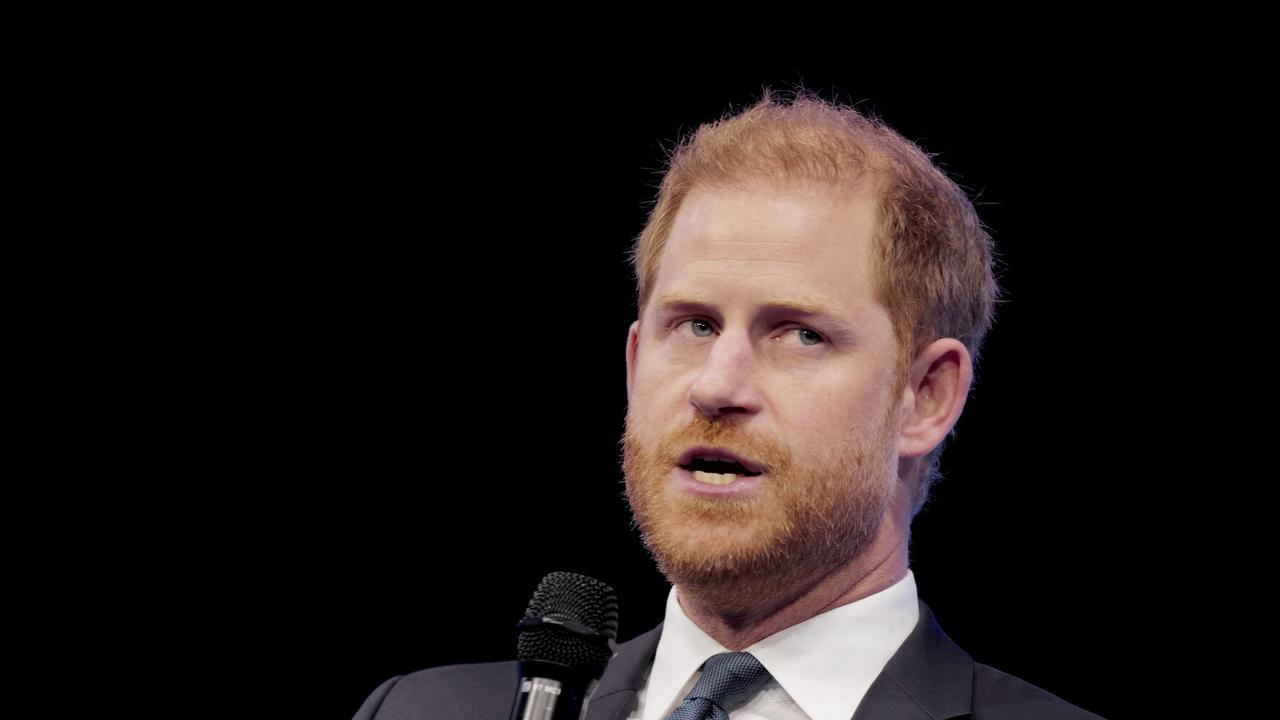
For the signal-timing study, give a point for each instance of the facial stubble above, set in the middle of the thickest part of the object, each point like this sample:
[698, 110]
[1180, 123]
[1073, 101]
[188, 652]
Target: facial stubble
[741, 556]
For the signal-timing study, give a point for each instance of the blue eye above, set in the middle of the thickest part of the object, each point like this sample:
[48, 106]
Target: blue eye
[817, 339]
[700, 323]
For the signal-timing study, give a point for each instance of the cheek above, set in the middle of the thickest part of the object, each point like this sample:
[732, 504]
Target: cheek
[651, 406]
[657, 385]
[831, 417]
[662, 361]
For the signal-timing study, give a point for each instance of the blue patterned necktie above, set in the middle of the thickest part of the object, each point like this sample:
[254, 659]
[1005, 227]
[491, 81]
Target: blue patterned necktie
[728, 680]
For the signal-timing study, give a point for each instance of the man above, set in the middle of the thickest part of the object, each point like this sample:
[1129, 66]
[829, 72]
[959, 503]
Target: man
[813, 296]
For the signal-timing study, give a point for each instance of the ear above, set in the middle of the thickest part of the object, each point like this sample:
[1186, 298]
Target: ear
[937, 387]
[633, 340]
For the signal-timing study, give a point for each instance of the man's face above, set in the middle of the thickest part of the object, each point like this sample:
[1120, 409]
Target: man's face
[807, 396]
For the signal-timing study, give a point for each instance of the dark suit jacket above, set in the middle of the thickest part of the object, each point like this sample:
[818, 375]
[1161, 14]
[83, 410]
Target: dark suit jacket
[928, 678]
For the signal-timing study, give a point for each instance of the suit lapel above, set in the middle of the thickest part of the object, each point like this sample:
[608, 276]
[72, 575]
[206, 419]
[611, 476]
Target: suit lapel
[928, 678]
[616, 693]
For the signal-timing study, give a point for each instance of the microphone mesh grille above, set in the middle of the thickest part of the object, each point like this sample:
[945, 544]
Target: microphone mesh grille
[571, 597]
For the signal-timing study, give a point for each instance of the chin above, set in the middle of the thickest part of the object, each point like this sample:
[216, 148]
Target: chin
[742, 568]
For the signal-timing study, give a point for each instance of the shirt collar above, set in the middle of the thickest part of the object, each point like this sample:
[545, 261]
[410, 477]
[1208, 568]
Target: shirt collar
[826, 663]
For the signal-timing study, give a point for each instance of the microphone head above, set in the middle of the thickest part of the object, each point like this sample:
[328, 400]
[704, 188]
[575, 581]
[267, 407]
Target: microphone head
[572, 621]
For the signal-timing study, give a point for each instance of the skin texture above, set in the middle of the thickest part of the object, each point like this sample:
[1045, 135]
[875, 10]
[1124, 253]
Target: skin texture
[820, 402]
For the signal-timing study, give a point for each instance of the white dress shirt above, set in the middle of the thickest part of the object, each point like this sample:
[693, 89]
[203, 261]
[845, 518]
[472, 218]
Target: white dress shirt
[821, 667]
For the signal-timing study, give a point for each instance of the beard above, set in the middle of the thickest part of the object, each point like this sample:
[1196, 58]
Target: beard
[744, 556]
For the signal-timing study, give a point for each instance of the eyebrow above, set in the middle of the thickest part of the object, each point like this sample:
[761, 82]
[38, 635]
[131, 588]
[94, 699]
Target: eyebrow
[805, 306]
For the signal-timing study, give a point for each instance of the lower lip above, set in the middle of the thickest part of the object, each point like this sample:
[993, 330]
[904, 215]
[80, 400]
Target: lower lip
[744, 485]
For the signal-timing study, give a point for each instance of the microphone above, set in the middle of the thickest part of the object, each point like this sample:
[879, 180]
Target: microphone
[566, 639]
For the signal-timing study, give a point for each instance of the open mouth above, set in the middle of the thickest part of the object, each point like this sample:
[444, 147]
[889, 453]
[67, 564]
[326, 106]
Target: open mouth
[717, 466]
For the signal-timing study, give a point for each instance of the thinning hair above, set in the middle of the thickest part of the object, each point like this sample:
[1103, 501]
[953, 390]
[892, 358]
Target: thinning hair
[932, 259]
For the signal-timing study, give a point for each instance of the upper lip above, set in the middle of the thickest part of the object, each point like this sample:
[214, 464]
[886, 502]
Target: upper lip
[710, 451]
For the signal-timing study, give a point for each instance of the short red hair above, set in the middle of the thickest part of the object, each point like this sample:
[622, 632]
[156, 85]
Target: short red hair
[933, 260]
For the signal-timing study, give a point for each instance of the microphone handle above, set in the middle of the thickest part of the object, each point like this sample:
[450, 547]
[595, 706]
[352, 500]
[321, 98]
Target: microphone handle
[549, 691]
[542, 698]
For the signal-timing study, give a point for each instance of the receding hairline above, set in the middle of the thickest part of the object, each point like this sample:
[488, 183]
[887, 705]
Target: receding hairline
[870, 183]
[869, 187]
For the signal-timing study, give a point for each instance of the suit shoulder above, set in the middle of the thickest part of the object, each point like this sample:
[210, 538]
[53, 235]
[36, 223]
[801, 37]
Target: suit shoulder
[478, 690]
[997, 695]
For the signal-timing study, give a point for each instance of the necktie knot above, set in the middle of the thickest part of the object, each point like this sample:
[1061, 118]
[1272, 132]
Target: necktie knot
[727, 681]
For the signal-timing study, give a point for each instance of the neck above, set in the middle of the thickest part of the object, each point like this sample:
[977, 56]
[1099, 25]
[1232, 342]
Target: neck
[880, 565]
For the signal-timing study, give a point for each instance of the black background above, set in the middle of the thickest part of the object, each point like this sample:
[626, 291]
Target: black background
[427, 383]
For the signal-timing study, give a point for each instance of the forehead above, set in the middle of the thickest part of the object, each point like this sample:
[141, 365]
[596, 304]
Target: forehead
[808, 244]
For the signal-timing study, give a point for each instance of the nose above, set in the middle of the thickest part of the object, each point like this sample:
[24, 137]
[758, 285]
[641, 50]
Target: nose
[727, 383]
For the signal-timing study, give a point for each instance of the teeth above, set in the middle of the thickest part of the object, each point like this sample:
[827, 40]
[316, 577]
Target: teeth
[714, 478]
[720, 458]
